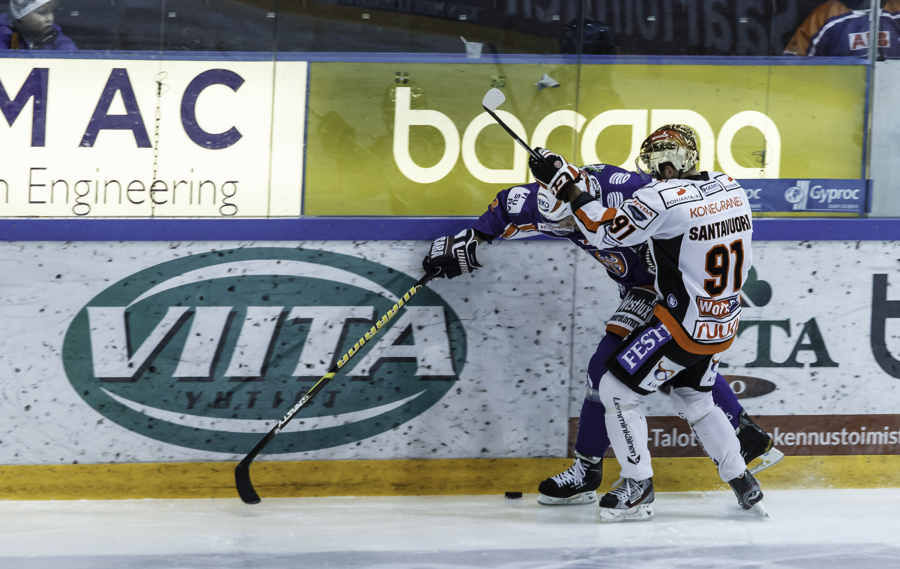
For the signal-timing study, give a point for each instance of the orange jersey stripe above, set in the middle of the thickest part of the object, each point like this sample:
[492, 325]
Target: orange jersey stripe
[683, 340]
[617, 330]
[512, 230]
[592, 225]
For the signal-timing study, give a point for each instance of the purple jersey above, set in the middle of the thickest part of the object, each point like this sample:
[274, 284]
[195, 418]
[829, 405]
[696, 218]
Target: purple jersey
[514, 215]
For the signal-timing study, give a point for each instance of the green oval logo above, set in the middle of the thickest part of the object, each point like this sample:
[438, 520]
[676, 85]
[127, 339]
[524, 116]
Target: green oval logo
[210, 351]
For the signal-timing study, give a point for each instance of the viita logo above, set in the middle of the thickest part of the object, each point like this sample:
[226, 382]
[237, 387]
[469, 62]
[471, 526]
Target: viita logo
[209, 351]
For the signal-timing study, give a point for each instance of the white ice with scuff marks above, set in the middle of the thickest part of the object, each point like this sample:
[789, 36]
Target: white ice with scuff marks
[807, 529]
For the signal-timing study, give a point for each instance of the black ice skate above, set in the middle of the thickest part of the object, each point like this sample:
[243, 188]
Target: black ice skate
[748, 492]
[577, 485]
[756, 444]
[630, 501]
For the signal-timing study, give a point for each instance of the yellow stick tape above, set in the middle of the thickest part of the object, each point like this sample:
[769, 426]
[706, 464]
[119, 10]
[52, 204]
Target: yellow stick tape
[409, 477]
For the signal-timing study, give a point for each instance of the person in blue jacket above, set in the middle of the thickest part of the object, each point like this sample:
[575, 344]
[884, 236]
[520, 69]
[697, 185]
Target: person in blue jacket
[525, 211]
[840, 28]
[29, 24]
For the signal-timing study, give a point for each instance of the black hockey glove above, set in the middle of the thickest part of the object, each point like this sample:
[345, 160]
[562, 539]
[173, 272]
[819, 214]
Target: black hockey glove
[556, 175]
[544, 170]
[453, 255]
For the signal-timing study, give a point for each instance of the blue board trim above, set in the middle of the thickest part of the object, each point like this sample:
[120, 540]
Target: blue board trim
[143, 55]
[374, 229]
[554, 59]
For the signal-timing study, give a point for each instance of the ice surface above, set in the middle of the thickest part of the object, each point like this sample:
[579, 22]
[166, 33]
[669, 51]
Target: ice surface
[815, 529]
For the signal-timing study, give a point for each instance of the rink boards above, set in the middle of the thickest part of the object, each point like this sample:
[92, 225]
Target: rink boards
[144, 369]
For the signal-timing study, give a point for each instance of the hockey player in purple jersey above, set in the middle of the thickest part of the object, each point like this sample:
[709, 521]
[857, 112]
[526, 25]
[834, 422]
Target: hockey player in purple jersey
[517, 213]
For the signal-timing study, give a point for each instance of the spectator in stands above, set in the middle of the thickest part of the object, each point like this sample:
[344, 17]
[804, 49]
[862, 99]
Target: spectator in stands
[29, 25]
[841, 28]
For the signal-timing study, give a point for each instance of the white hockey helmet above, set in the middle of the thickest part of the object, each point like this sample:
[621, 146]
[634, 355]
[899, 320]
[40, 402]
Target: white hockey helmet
[674, 144]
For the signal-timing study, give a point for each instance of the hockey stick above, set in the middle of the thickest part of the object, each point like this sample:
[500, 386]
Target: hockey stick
[242, 471]
[493, 99]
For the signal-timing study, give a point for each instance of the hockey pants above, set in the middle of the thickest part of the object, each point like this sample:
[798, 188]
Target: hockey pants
[592, 437]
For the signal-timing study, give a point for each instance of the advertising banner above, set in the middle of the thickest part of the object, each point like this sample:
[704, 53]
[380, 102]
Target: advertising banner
[151, 138]
[168, 352]
[180, 352]
[141, 138]
[797, 198]
[412, 138]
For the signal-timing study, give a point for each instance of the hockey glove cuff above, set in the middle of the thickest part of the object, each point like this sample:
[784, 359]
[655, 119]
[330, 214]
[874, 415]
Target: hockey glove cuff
[582, 199]
[550, 207]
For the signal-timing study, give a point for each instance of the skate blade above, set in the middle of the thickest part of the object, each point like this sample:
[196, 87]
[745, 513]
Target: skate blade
[759, 510]
[642, 513]
[583, 498]
[768, 459]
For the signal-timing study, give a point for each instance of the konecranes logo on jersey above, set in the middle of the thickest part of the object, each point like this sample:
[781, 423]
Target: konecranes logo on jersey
[208, 351]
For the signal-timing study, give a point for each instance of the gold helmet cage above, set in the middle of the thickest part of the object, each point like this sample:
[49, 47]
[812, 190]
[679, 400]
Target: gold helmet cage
[675, 144]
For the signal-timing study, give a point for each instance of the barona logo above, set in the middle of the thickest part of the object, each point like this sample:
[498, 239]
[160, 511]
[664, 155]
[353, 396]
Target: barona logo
[209, 351]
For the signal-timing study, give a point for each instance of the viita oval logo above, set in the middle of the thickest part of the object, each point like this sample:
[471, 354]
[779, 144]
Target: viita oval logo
[208, 351]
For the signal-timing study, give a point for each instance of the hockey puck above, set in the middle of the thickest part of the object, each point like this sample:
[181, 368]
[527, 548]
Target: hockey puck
[513, 495]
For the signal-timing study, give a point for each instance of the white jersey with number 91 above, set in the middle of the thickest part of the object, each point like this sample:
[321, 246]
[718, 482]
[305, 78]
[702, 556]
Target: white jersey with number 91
[699, 230]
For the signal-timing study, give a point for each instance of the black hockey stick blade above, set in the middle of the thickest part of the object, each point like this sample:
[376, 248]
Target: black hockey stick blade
[244, 485]
[242, 471]
[493, 99]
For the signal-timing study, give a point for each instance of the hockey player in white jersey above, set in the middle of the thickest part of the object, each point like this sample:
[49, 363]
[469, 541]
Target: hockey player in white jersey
[698, 227]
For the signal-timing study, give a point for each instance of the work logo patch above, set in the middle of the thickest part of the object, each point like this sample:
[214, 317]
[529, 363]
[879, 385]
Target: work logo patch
[718, 308]
[209, 351]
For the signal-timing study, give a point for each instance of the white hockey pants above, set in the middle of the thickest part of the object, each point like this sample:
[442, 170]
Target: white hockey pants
[627, 429]
[712, 429]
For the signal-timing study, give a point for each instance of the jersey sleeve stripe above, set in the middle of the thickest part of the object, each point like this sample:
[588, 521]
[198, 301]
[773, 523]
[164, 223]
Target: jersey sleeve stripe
[618, 330]
[513, 231]
[592, 225]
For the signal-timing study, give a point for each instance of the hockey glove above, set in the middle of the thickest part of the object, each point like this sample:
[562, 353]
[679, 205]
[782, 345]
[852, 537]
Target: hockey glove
[557, 175]
[453, 255]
